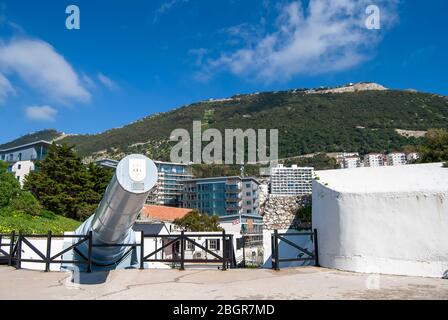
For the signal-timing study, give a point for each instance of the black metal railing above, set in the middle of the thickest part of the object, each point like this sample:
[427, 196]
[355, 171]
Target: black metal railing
[305, 254]
[16, 244]
[12, 252]
[179, 241]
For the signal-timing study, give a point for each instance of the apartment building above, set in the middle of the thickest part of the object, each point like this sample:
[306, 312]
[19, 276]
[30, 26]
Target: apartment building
[349, 160]
[396, 159]
[223, 196]
[170, 180]
[169, 186]
[375, 160]
[21, 159]
[291, 181]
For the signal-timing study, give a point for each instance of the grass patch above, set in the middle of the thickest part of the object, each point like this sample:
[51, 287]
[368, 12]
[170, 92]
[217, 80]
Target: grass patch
[19, 221]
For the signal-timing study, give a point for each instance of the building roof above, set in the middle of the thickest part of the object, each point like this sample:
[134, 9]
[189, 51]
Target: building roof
[26, 145]
[432, 177]
[162, 213]
[148, 228]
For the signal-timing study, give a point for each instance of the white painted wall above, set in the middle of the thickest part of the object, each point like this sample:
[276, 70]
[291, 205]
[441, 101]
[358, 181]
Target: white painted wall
[21, 169]
[391, 220]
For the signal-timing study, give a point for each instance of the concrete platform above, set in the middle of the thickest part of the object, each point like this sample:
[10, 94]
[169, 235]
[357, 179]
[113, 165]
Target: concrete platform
[298, 283]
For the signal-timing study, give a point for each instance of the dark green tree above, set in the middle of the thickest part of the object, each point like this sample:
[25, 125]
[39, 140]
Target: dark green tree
[198, 222]
[64, 185]
[9, 186]
[435, 147]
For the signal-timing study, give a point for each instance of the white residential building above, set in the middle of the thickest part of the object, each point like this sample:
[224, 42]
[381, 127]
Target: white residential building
[291, 181]
[352, 162]
[21, 158]
[396, 159]
[375, 160]
[349, 160]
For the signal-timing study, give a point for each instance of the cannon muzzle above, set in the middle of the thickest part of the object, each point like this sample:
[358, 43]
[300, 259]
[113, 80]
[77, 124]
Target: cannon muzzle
[125, 196]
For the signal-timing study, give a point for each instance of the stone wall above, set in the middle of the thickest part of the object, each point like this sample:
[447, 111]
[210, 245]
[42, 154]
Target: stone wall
[280, 212]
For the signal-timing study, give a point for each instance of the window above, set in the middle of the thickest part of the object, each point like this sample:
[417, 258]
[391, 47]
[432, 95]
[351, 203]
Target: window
[248, 203]
[248, 194]
[19, 167]
[213, 244]
[190, 246]
[20, 156]
[18, 178]
[248, 185]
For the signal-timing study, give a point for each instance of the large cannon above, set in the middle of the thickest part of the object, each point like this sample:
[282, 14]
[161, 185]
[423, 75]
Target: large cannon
[111, 225]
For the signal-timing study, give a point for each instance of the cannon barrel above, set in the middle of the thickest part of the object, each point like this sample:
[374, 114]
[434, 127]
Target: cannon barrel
[125, 196]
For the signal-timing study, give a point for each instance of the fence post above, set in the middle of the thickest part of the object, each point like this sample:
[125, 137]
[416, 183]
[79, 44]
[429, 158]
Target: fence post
[277, 263]
[89, 252]
[244, 250]
[48, 255]
[224, 252]
[182, 251]
[272, 252]
[142, 250]
[316, 248]
[19, 251]
[11, 247]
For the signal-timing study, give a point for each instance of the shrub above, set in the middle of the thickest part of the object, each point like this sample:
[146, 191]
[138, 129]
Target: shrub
[27, 203]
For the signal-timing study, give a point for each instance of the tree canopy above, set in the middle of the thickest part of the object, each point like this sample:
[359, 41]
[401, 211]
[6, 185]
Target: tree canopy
[9, 186]
[198, 222]
[435, 147]
[65, 186]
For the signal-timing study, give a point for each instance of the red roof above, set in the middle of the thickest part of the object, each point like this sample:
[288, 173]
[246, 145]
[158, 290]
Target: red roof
[162, 213]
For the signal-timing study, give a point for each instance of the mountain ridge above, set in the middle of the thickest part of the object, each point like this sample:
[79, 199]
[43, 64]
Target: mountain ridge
[364, 117]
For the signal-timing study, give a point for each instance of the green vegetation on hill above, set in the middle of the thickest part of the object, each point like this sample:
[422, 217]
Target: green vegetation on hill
[307, 123]
[318, 162]
[363, 121]
[435, 146]
[11, 220]
[21, 211]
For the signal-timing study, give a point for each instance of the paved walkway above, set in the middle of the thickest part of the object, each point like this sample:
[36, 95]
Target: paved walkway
[298, 283]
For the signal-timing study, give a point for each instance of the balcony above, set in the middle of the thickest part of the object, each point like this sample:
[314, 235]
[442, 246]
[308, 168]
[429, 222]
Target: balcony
[233, 200]
[233, 188]
[234, 206]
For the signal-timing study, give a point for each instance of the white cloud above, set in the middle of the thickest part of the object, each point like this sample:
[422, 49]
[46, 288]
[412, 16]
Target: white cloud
[325, 36]
[38, 64]
[41, 113]
[167, 5]
[107, 82]
[5, 88]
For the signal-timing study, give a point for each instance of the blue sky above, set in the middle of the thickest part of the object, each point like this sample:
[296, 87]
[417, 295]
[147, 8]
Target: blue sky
[134, 58]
